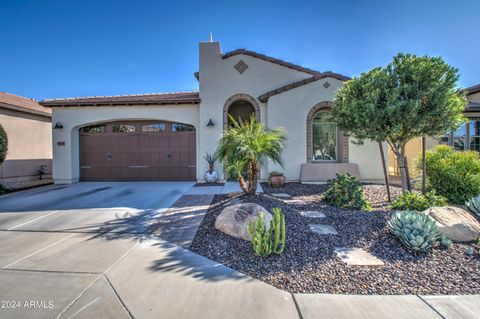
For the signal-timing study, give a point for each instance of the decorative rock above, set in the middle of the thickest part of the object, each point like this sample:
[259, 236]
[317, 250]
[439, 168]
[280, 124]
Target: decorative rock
[357, 257]
[294, 201]
[455, 222]
[280, 195]
[313, 214]
[323, 229]
[233, 220]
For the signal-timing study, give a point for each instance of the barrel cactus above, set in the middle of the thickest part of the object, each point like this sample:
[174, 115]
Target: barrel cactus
[265, 242]
[473, 205]
[415, 230]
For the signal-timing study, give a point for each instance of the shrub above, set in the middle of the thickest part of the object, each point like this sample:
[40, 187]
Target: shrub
[346, 191]
[265, 242]
[473, 205]
[3, 144]
[453, 174]
[417, 231]
[417, 201]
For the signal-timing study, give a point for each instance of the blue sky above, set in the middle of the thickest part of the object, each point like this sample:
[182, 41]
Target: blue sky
[103, 47]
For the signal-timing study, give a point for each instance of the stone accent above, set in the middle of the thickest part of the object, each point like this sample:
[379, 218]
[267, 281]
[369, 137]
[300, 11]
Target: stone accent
[313, 214]
[233, 220]
[342, 140]
[323, 229]
[326, 84]
[357, 257]
[455, 222]
[294, 201]
[280, 195]
[241, 66]
[239, 97]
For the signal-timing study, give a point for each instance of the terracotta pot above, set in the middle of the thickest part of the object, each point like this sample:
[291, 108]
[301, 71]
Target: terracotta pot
[277, 180]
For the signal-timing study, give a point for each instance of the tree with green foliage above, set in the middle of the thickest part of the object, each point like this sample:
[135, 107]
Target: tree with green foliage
[411, 97]
[3, 144]
[245, 146]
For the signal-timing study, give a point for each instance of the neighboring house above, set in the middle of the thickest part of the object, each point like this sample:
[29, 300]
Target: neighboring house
[165, 136]
[29, 132]
[466, 137]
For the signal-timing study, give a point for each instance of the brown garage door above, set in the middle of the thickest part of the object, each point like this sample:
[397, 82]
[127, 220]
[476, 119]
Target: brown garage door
[130, 151]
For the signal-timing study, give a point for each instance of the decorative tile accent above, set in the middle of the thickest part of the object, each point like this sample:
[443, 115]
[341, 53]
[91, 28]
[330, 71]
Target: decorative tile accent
[241, 66]
[357, 257]
[326, 85]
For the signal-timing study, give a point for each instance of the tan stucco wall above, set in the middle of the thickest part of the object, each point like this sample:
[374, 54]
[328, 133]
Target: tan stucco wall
[66, 158]
[29, 144]
[413, 150]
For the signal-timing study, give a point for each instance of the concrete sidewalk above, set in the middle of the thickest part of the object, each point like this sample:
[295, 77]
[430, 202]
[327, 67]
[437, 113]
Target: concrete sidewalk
[153, 278]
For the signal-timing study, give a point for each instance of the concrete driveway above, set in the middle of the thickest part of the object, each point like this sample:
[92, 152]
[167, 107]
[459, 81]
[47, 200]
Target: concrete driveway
[81, 251]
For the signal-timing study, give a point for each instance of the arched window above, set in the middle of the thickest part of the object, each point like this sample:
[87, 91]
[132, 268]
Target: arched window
[324, 137]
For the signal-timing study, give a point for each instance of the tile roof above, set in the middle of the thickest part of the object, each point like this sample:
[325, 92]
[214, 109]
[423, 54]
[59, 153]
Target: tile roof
[473, 89]
[22, 104]
[133, 99]
[270, 59]
[264, 97]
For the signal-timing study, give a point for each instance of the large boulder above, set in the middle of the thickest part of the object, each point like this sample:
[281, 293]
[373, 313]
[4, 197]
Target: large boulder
[233, 220]
[456, 223]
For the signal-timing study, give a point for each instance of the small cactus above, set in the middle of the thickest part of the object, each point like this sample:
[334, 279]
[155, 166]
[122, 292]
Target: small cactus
[473, 205]
[265, 242]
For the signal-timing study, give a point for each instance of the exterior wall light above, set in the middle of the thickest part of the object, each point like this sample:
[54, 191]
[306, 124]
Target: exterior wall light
[210, 123]
[58, 126]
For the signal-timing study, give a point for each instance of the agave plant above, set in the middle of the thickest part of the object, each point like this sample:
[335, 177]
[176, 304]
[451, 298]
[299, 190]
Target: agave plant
[473, 205]
[415, 230]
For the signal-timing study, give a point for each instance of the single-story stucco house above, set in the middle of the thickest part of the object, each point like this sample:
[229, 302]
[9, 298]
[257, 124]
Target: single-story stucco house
[165, 136]
[29, 132]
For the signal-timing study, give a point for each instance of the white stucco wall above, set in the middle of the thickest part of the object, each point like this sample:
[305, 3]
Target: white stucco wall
[66, 157]
[219, 81]
[290, 110]
[367, 157]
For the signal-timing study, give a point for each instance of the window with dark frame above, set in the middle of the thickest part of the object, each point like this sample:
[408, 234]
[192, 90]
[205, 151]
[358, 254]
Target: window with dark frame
[93, 129]
[178, 127]
[154, 128]
[123, 128]
[466, 137]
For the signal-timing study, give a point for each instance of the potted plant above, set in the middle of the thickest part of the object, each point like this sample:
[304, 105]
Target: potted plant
[276, 179]
[211, 176]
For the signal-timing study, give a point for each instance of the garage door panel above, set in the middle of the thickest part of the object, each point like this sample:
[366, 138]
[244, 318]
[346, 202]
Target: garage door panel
[137, 156]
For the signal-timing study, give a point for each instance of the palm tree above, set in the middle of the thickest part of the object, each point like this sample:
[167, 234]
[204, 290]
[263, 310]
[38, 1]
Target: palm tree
[244, 146]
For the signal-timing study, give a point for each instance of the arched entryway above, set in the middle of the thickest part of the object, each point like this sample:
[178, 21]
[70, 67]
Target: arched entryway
[137, 150]
[240, 107]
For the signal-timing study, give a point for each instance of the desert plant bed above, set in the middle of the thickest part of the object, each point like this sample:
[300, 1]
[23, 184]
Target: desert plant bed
[309, 263]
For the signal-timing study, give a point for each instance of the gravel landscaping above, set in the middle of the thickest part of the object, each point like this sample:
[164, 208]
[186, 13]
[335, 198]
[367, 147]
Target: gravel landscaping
[310, 264]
